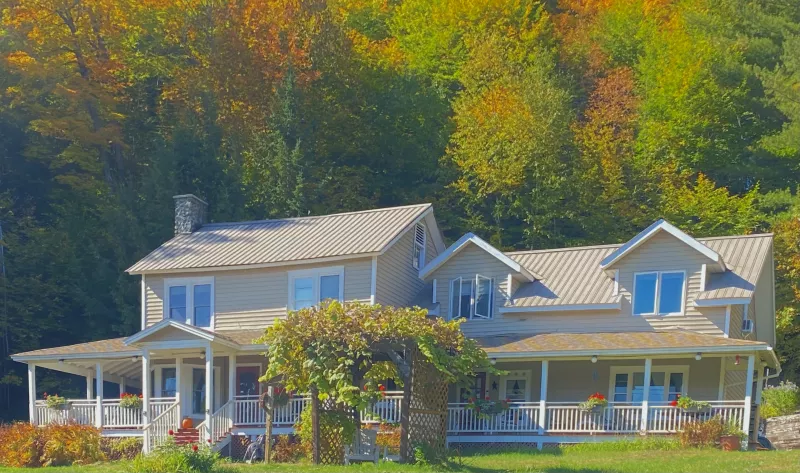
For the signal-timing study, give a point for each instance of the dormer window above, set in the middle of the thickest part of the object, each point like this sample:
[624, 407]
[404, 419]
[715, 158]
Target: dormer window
[418, 252]
[471, 298]
[190, 301]
[659, 293]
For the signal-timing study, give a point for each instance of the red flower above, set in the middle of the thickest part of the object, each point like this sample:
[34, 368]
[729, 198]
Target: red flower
[674, 403]
[171, 432]
[209, 440]
[194, 448]
[381, 387]
[487, 398]
[597, 396]
[140, 396]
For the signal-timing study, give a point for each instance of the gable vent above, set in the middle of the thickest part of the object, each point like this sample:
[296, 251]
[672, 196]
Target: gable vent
[419, 234]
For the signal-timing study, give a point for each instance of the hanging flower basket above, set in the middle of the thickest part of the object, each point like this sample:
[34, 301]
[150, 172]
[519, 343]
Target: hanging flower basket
[690, 406]
[130, 401]
[595, 404]
[56, 402]
[486, 408]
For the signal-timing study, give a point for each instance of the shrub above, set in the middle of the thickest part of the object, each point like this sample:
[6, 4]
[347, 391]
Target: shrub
[121, 448]
[389, 437]
[288, 450]
[427, 455]
[23, 445]
[780, 400]
[702, 434]
[19, 445]
[174, 458]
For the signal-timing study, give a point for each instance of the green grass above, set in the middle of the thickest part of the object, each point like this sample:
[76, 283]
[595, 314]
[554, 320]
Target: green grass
[587, 458]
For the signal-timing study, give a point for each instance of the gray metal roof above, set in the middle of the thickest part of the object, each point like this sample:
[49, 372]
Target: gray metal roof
[266, 242]
[573, 276]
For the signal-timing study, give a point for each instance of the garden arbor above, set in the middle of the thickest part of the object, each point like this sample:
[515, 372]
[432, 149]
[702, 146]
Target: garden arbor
[341, 353]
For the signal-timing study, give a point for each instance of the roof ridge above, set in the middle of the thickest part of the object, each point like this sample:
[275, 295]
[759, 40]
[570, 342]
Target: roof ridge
[310, 217]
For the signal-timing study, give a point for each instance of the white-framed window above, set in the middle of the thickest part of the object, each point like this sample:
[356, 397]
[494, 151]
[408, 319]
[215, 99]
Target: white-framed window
[747, 322]
[516, 386]
[659, 293]
[308, 287]
[190, 300]
[471, 298]
[666, 383]
[418, 251]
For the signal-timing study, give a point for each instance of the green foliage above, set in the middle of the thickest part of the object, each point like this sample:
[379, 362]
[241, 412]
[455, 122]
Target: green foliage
[173, 458]
[121, 448]
[340, 429]
[780, 400]
[288, 450]
[702, 433]
[643, 444]
[427, 455]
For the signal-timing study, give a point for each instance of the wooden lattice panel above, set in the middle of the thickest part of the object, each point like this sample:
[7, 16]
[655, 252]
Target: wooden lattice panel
[427, 420]
[330, 439]
[238, 446]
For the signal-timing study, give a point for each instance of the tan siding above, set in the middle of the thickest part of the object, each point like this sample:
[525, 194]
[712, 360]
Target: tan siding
[762, 310]
[253, 299]
[398, 281]
[430, 248]
[467, 263]
[734, 385]
[737, 314]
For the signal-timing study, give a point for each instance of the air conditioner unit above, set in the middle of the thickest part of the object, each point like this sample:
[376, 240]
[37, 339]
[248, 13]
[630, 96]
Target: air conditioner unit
[747, 326]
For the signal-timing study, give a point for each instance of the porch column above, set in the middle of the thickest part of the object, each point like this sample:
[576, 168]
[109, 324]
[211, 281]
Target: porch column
[231, 377]
[759, 388]
[122, 385]
[748, 394]
[98, 421]
[146, 398]
[209, 388]
[648, 368]
[90, 385]
[178, 372]
[32, 393]
[543, 397]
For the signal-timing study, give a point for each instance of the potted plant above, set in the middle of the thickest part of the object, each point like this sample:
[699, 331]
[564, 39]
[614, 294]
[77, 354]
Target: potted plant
[486, 408]
[595, 404]
[731, 438]
[130, 401]
[56, 402]
[687, 404]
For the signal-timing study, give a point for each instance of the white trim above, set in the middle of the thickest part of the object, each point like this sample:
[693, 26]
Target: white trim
[516, 374]
[616, 282]
[144, 303]
[657, 295]
[652, 230]
[721, 388]
[688, 351]
[189, 284]
[563, 307]
[509, 283]
[190, 329]
[433, 295]
[747, 328]
[703, 271]
[727, 321]
[32, 393]
[480, 243]
[748, 393]
[415, 245]
[315, 274]
[373, 281]
[721, 302]
[77, 356]
[236, 267]
[631, 369]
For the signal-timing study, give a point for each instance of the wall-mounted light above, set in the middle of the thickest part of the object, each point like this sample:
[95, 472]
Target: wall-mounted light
[698, 356]
[493, 361]
[594, 358]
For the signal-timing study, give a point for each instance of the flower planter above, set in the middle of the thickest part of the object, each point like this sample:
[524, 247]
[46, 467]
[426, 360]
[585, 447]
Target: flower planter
[697, 409]
[730, 443]
[596, 409]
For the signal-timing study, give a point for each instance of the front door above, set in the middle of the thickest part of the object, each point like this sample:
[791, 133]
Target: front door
[247, 381]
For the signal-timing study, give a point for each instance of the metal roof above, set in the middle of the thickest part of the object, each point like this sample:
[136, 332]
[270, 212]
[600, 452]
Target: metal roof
[266, 242]
[574, 276]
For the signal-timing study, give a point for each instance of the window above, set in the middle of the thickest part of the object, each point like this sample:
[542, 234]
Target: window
[310, 287]
[747, 323]
[471, 298]
[666, 383]
[515, 386]
[662, 290]
[168, 382]
[418, 252]
[198, 391]
[190, 301]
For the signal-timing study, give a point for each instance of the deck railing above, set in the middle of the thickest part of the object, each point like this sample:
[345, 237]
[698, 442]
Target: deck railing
[520, 417]
[80, 411]
[157, 431]
[84, 412]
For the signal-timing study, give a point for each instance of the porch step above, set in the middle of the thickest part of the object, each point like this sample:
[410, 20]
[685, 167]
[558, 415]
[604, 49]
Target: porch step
[184, 436]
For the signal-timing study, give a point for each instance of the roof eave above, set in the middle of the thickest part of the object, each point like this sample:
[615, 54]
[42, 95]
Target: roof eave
[461, 243]
[730, 349]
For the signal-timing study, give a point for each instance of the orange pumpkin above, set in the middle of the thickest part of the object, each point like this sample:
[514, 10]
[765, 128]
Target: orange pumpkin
[187, 423]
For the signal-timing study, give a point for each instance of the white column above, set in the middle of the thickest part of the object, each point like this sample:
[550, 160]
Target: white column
[146, 398]
[231, 377]
[98, 421]
[748, 394]
[209, 387]
[648, 368]
[722, 370]
[543, 397]
[759, 388]
[178, 381]
[122, 386]
[32, 393]
[90, 385]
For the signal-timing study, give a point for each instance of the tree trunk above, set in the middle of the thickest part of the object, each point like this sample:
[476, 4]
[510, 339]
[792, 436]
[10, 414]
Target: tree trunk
[268, 418]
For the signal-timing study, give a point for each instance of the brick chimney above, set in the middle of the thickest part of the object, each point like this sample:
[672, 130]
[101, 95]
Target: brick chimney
[190, 213]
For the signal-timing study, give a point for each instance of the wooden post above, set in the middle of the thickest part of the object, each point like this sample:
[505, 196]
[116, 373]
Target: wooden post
[748, 397]
[315, 446]
[405, 407]
[543, 398]
[268, 418]
[648, 368]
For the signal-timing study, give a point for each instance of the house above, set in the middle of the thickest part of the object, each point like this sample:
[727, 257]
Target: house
[695, 317]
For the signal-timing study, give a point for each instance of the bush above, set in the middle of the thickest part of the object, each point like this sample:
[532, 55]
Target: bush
[121, 448]
[288, 450]
[389, 437]
[702, 434]
[174, 458]
[780, 400]
[23, 445]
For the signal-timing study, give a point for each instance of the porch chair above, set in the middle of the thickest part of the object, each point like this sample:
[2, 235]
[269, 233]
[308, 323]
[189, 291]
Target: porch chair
[364, 447]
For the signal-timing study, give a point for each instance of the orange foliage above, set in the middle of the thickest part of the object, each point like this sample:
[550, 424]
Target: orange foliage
[23, 445]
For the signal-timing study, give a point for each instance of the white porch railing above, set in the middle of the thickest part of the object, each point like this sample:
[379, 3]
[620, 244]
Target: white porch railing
[157, 432]
[385, 410]
[219, 426]
[84, 412]
[80, 411]
[116, 416]
[520, 417]
[562, 417]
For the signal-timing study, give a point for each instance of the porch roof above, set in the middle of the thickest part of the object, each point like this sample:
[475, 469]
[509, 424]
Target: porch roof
[545, 345]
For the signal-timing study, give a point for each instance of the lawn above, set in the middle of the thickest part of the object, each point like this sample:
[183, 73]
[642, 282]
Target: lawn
[568, 460]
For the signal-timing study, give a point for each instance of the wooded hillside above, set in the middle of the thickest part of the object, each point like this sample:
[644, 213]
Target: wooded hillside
[535, 124]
